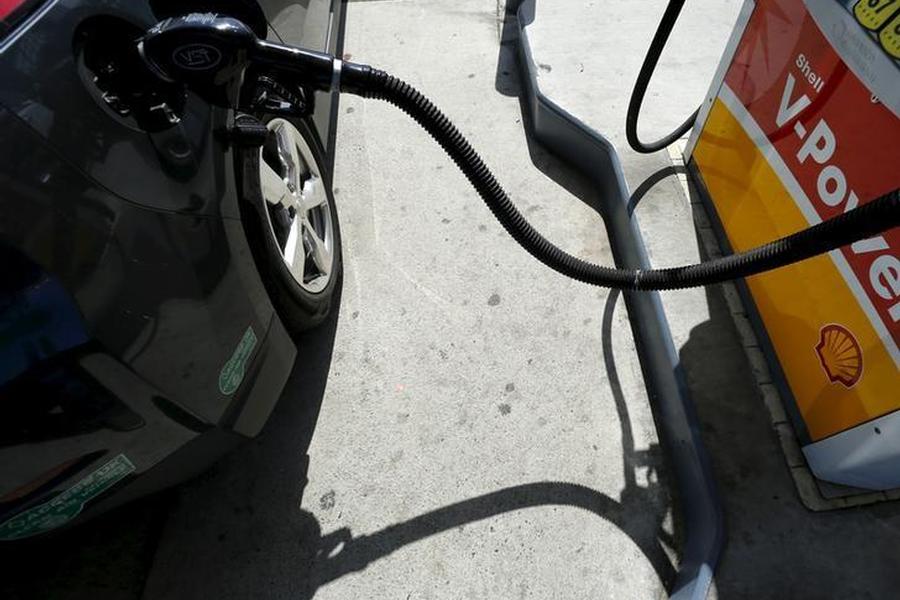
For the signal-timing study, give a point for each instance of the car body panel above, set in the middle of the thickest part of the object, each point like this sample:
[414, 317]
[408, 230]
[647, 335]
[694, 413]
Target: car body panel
[162, 291]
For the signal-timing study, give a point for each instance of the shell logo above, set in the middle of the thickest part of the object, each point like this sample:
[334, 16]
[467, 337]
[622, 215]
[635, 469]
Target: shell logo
[840, 355]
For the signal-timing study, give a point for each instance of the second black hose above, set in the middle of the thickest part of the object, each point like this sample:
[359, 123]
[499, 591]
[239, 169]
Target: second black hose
[666, 25]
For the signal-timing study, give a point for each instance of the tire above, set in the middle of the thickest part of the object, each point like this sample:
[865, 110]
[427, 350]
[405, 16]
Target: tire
[302, 289]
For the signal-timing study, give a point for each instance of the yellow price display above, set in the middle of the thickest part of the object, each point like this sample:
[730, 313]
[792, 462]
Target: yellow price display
[872, 14]
[890, 37]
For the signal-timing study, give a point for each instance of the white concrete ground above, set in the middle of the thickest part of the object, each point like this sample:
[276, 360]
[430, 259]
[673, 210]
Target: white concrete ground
[462, 436]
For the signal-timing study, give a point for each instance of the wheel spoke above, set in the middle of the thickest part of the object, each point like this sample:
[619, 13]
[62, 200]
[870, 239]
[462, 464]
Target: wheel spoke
[313, 194]
[320, 254]
[274, 186]
[287, 151]
[294, 250]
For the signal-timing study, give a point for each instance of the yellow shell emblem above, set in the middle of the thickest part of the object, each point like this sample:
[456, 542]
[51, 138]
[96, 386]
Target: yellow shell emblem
[840, 355]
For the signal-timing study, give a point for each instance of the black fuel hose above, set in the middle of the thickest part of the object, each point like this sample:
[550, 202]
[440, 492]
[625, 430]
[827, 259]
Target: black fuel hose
[666, 24]
[212, 53]
[872, 218]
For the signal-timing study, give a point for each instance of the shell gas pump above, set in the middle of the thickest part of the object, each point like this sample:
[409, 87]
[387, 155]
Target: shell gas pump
[803, 123]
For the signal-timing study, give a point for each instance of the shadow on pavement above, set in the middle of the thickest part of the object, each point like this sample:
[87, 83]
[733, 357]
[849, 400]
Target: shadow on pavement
[338, 553]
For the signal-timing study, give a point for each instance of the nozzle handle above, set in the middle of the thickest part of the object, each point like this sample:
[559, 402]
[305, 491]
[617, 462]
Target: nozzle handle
[211, 53]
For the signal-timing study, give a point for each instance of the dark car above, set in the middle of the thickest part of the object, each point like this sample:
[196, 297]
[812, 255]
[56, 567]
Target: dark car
[156, 253]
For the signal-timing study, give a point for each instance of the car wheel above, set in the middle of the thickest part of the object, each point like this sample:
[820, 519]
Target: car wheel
[291, 222]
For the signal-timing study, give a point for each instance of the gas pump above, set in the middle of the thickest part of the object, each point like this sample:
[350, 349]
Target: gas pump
[804, 124]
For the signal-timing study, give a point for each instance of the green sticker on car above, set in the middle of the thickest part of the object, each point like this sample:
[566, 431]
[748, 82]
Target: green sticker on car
[233, 371]
[67, 505]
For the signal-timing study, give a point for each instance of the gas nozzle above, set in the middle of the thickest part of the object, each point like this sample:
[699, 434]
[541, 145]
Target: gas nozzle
[210, 54]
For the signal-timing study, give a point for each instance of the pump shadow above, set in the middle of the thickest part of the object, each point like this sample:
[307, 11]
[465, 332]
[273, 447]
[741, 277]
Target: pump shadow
[333, 555]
